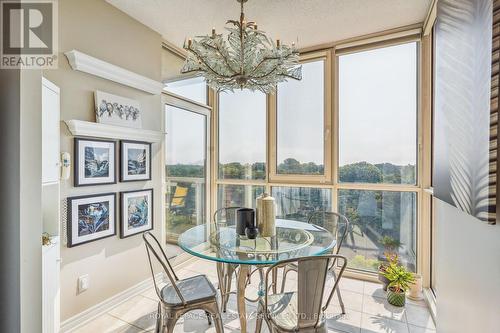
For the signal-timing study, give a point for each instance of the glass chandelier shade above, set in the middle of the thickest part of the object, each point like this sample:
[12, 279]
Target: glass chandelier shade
[246, 58]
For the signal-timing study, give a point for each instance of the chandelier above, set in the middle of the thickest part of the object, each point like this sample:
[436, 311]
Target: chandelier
[247, 59]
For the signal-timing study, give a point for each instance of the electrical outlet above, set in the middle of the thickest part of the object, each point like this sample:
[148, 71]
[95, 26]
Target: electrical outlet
[83, 283]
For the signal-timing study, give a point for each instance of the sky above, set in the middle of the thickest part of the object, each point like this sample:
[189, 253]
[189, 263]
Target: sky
[377, 114]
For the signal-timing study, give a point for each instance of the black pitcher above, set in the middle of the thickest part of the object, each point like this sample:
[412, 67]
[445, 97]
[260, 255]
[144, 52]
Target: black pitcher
[245, 218]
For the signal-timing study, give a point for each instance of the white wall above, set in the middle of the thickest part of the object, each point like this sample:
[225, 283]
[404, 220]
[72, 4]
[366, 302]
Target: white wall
[31, 200]
[99, 29]
[468, 272]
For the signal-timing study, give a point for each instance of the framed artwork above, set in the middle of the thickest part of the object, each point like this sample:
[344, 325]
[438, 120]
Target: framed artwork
[135, 161]
[90, 218]
[117, 110]
[95, 162]
[136, 212]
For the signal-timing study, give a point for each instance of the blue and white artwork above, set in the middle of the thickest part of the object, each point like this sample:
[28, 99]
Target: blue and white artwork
[135, 161]
[93, 218]
[90, 218]
[137, 211]
[94, 162]
[136, 164]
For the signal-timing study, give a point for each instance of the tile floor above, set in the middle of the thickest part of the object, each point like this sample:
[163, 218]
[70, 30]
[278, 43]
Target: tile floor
[367, 311]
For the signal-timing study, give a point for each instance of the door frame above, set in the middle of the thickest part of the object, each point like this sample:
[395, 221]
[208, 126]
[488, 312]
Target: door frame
[170, 99]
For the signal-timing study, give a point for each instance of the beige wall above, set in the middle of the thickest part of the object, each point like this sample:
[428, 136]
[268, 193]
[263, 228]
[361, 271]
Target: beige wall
[171, 65]
[100, 30]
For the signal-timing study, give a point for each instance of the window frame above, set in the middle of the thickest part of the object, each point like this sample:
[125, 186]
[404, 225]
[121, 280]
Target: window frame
[326, 178]
[184, 98]
[171, 99]
[329, 180]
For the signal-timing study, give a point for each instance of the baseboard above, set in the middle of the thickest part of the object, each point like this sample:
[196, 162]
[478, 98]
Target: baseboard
[84, 317]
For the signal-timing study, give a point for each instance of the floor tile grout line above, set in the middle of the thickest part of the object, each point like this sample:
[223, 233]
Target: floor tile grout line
[120, 319]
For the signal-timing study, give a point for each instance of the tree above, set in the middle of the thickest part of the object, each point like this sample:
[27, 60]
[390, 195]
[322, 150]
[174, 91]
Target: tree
[361, 172]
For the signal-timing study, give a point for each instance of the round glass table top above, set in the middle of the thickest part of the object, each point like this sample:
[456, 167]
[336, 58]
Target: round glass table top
[293, 239]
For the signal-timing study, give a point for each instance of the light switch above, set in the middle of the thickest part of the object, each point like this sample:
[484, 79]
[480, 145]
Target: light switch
[83, 283]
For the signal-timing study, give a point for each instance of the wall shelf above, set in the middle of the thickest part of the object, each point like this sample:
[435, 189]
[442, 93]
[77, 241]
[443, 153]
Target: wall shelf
[84, 63]
[96, 130]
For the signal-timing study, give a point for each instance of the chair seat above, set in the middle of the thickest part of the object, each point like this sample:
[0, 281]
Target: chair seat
[194, 289]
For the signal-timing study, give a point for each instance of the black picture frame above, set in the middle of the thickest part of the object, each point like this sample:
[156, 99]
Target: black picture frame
[71, 223]
[79, 179]
[124, 174]
[124, 213]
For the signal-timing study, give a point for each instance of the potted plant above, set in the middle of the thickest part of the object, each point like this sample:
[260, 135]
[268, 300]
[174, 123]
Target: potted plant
[400, 280]
[390, 258]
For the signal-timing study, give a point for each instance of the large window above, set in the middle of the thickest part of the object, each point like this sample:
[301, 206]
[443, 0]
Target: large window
[343, 139]
[238, 195]
[378, 115]
[185, 169]
[242, 135]
[300, 122]
[382, 222]
[194, 89]
[297, 203]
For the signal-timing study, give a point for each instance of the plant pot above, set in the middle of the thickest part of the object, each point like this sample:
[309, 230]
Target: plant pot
[382, 278]
[416, 289]
[396, 298]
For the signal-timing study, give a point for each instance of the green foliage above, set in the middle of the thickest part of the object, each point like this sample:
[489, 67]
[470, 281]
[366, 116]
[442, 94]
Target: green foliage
[292, 166]
[391, 259]
[400, 278]
[389, 243]
[361, 172]
[361, 262]
[185, 170]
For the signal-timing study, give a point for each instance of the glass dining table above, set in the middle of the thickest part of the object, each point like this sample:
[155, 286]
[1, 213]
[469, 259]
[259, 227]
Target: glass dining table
[293, 239]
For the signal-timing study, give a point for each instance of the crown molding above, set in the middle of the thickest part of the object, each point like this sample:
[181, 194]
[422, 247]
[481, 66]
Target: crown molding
[82, 62]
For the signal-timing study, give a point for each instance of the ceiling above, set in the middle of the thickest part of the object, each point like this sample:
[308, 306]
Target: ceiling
[311, 22]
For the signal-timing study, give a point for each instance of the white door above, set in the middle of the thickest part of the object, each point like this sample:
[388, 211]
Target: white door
[50, 132]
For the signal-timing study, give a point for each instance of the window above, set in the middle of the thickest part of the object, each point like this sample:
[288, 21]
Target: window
[242, 135]
[300, 122]
[186, 160]
[238, 195]
[298, 203]
[194, 89]
[378, 115]
[372, 152]
[381, 222]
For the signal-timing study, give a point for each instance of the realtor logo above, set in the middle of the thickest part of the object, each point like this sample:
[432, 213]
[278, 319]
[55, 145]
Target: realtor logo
[29, 34]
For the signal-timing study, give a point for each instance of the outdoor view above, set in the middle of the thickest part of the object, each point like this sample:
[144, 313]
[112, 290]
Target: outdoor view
[185, 170]
[377, 103]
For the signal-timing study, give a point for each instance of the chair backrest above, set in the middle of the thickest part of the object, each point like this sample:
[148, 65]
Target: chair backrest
[311, 281]
[224, 217]
[179, 198]
[155, 250]
[336, 223]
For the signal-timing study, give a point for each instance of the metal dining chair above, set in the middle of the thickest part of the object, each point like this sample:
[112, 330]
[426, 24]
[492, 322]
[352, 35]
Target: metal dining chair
[180, 296]
[338, 225]
[301, 310]
[224, 217]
